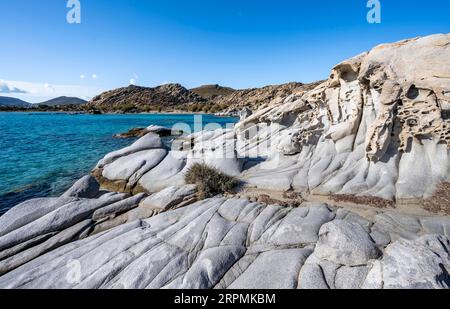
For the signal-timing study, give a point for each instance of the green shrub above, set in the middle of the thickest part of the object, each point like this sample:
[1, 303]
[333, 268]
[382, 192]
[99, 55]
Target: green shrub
[210, 181]
[127, 108]
[215, 108]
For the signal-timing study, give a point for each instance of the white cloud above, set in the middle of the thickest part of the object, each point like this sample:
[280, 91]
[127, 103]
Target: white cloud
[134, 79]
[94, 76]
[6, 88]
[38, 92]
[82, 76]
[49, 87]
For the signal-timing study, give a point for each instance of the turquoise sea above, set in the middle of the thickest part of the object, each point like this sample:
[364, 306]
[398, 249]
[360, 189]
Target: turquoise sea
[43, 154]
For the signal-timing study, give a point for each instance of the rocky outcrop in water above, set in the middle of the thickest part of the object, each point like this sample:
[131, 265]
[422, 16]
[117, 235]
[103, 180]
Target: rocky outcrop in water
[141, 132]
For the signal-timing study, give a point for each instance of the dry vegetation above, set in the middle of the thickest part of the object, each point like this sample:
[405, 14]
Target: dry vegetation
[363, 200]
[210, 181]
[440, 201]
[292, 199]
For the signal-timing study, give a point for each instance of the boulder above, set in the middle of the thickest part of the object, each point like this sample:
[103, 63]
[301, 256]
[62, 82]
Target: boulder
[125, 167]
[420, 264]
[118, 207]
[158, 130]
[86, 187]
[57, 240]
[345, 243]
[149, 141]
[30, 211]
[275, 269]
[163, 131]
[168, 198]
[165, 174]
[57, 220]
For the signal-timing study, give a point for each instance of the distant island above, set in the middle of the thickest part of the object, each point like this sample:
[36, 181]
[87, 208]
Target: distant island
[59, 103]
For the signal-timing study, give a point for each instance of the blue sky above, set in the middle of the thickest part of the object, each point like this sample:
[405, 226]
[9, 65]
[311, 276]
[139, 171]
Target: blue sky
[246, 43]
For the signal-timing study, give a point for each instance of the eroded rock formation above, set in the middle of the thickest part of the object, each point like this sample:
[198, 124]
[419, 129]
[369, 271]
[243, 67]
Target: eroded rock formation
[360, 132]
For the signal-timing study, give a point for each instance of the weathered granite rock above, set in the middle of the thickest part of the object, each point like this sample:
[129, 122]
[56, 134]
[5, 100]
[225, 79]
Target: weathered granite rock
[276, 269]
[149, 141]
[245, 113]
[358, 133]
[350, 277]
[56, 220]
[233, 243]
[139, 207]
[345, 243]
[168, 198]
[137, 163]
[118, 207]
[55, 241]
[86, 187]
[420, 264]
[167, 173]
[30, 211]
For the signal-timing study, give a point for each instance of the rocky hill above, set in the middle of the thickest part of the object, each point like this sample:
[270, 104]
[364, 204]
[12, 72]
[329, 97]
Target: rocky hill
[343, 184]
[256, 97]
[207, 98]
[212, 91]
[144, 98]
[63, 101]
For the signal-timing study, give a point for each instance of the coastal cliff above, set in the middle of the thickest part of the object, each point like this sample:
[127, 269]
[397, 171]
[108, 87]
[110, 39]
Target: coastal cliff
[364, 154]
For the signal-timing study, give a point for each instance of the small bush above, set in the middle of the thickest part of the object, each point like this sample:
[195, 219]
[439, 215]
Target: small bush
[127, 108]
[292, 200]
[210, 181]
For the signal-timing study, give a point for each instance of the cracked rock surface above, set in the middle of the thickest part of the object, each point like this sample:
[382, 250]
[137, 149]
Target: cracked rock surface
[234, 243]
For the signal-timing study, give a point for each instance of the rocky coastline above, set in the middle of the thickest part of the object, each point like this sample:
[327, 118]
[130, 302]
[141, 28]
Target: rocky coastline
[345, 185]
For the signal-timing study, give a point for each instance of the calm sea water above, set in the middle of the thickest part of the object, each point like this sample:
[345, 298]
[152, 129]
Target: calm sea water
[43, 154]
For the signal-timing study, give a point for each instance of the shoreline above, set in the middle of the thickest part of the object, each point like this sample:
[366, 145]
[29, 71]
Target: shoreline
[110, 114]
[17, 191]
